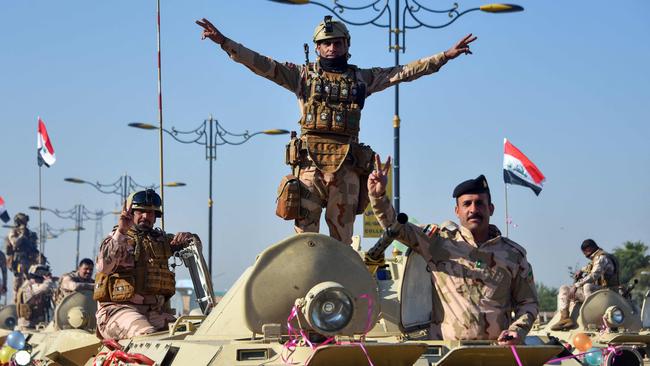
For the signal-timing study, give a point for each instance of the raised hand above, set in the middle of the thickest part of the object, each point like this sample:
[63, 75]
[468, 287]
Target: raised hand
[461, 47]
[210, 31]
[125, 222]
[378, 179]
[181, 239]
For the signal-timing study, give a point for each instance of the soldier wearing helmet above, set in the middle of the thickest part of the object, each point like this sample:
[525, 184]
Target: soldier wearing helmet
[330, 163]
[133, 283]
[22, 250]
[33, 297]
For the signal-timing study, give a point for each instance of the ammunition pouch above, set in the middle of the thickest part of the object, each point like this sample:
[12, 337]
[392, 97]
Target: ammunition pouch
[292, 153]
[101, 288]
[116, 287]
[290, 192]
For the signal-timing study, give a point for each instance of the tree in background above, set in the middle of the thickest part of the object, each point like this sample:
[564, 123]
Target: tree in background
[634, 263]
[547, 297]
[632, 258]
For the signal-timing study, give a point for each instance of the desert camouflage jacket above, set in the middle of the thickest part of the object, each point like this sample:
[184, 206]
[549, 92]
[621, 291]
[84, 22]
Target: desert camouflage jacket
[479, 285]
[292, 77]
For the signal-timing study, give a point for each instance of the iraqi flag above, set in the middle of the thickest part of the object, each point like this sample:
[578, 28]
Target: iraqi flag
[517, 169]
[44, 145]
[4, 215]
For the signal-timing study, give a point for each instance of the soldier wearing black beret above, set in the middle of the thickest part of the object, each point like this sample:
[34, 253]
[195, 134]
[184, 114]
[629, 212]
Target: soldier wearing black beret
[481, 277]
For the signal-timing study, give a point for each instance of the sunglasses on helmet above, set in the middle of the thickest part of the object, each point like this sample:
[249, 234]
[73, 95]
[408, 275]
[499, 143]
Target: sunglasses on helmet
[147, 198]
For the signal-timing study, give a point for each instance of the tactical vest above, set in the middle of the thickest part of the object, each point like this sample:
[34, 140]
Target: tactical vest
[332, 102]
[607, 279]
[35, 311]
[24, 251]
[150, 275]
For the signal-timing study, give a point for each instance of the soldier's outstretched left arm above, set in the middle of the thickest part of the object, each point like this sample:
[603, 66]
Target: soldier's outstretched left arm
[524, 297]
[381, 78]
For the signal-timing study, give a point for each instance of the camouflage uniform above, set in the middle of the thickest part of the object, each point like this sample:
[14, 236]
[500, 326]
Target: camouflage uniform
[36, 297]
[479, 285]
[600, 272]
[22, 252]
[70, 283]
[340, 188]
[141, 314]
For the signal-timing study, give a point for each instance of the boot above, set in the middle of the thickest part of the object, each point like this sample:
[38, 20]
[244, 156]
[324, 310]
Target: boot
[565, 321]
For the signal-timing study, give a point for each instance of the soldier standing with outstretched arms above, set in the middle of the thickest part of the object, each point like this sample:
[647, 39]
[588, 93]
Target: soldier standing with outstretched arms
[480, 276]
[328, 159]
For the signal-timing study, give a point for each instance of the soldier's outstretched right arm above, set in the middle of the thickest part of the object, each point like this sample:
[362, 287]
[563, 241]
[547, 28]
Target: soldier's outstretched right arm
[286, 75]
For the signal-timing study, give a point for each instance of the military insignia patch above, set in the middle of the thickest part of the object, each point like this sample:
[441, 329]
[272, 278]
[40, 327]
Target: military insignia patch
[430, 230]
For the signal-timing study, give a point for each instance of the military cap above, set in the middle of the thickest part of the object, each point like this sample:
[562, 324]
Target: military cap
[475, 186]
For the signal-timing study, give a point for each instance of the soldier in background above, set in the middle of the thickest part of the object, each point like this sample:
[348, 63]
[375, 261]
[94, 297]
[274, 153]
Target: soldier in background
[480, 276]
[601, 272]
[34, 297]
[79, 280]
[3, 269]
[328, 159]
[22, 250]
[133, 261]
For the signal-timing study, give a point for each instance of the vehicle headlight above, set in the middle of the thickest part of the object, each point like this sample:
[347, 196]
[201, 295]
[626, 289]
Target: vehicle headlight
[614, 316]
[328, 308]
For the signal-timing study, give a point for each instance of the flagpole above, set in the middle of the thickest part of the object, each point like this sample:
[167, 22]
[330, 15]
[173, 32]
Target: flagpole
[505, 185]
[40, 214]
[160, 120]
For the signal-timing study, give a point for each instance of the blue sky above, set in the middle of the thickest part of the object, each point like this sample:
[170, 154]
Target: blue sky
[566, 82]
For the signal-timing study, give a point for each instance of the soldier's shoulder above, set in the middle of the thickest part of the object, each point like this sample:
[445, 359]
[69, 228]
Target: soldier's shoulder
[448, 229]
[512, 244]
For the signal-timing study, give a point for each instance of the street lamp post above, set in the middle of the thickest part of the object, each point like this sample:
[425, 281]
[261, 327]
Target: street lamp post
[384, 16]
[79, 213]
[123, 186]
[210, 134]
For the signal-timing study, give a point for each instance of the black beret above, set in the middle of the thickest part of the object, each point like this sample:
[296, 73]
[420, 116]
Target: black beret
[475, 186]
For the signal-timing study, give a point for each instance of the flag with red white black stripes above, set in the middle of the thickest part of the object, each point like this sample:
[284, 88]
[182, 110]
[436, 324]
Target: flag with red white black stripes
[519, 170]
[44, 146]
[4, 215]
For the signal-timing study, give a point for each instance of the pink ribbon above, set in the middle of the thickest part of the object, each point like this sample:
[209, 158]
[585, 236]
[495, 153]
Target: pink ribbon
[514, 352]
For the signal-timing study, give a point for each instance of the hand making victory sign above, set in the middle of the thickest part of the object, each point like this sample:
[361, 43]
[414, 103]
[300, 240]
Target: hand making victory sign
[378, 179]
[125, 222]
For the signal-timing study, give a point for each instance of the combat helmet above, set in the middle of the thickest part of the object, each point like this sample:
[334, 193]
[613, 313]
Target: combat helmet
[330, 29]
[145, 200]
[21, 218]
[38, 270]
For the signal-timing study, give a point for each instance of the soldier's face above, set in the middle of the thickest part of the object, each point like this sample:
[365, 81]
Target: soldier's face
[588, 252]
[85, 271]
[474, 211]
[332, 48]
[144, 219]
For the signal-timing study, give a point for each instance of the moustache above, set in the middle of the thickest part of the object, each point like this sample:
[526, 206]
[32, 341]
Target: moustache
[475, 216]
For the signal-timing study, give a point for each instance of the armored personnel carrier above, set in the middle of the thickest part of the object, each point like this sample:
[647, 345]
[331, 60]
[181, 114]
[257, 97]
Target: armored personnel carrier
[308, 299]
[610, 323]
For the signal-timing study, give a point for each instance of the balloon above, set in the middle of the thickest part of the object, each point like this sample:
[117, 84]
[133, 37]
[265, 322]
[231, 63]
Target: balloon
[16, 340]
[582, 342]
[5, 353]
[594, 356]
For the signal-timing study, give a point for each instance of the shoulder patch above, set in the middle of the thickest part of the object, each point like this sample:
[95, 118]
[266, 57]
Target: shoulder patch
[449, 226]
[430, 230]
[514, 245]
